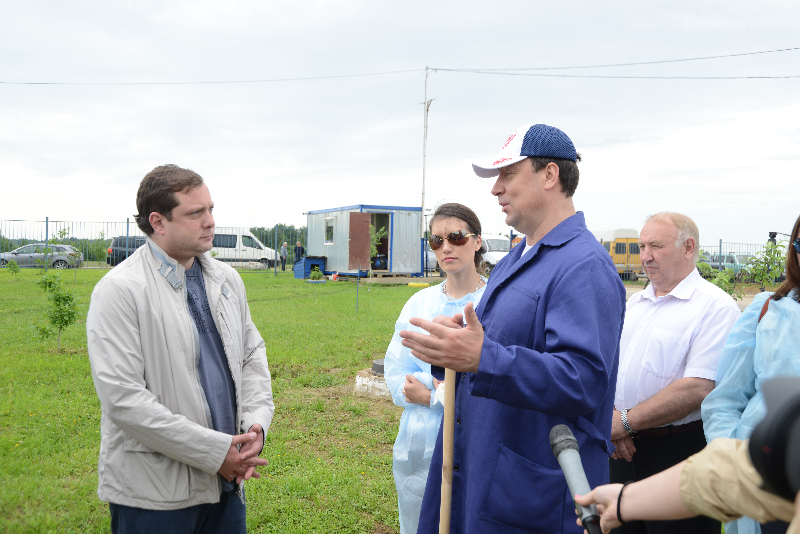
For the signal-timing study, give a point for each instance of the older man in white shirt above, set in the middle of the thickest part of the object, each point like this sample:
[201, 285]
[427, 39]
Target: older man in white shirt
[673, 334]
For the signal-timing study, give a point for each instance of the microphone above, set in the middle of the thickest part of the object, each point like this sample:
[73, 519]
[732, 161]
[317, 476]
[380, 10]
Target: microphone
[565, 449]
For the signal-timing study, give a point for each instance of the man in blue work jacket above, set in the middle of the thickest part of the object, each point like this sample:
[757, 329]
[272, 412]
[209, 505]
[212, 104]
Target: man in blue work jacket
[541, 350]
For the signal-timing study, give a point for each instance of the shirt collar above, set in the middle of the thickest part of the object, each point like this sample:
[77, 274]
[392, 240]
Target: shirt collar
[563, 231]
[682, 291]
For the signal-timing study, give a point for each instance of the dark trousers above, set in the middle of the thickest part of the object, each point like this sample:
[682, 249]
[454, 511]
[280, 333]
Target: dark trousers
[653, 455]
[226, 516]
[283, 263]
[776, 527]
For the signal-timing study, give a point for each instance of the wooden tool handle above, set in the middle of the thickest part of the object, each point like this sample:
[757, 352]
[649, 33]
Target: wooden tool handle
[447, 449]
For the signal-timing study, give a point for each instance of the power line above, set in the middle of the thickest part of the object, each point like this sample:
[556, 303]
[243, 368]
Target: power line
[645, 62]
[507, 72]
[475, 71]
[218, 82]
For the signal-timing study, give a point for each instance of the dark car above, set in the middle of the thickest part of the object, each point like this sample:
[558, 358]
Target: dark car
[122, 247]
[39, 254]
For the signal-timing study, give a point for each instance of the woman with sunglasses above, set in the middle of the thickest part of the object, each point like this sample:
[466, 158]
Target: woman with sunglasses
[455, 238]
[764, 343]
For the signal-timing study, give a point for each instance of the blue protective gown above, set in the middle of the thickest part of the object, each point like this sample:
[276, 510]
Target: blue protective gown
[419, 424]
[552, 321]
[753, 353]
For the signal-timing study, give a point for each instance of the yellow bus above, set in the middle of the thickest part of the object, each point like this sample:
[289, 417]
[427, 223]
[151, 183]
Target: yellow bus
[623, 245]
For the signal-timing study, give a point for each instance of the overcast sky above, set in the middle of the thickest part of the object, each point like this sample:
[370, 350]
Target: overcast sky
[725, 152]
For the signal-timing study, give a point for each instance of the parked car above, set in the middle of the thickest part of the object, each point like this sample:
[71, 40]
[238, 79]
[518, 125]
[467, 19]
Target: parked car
[432, 265]
[122, 247]
[734, 262]
[497, 246]
[39, 254]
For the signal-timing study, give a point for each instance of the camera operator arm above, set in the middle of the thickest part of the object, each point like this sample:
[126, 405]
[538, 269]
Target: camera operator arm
[655, 498]
[719, 482]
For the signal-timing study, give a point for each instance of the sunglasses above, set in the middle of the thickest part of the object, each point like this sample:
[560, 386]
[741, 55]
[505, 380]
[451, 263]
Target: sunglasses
[456, 238]
[796, 244]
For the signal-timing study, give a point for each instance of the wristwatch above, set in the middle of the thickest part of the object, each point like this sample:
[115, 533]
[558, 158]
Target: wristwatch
[628, 429]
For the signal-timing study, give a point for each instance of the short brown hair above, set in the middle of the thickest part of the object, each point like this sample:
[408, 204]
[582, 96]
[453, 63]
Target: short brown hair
[568, 173]
[157, 192]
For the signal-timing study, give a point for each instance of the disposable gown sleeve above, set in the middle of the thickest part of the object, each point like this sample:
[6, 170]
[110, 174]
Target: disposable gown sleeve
[399, 361]
[736, 376]
[582, 324]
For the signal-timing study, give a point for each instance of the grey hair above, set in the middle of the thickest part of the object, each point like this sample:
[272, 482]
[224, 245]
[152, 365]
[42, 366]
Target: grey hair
[685, 225]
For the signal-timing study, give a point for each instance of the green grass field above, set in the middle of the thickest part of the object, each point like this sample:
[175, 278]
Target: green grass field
[330, 453]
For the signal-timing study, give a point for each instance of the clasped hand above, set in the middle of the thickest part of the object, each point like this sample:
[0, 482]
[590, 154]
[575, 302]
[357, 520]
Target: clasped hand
[240, 463]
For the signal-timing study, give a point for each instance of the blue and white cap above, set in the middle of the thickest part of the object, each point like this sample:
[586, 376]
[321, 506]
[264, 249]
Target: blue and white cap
[533, 140]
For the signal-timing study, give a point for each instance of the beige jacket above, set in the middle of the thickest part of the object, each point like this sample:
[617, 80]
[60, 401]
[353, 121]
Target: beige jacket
[158, 450]
[721, 482]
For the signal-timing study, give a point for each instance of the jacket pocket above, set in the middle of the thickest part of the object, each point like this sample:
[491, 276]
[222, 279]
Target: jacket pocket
[523, 494]
[152, 476]
[515, 330]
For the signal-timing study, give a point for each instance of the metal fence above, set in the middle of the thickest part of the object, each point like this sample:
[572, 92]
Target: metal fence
[93, 240]
[723, 248]
[734, 256]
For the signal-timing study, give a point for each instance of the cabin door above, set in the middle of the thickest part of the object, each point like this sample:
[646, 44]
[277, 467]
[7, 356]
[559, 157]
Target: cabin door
[358, 248]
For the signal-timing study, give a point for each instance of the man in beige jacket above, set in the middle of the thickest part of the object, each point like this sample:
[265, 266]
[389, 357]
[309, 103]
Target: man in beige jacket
[180, 369]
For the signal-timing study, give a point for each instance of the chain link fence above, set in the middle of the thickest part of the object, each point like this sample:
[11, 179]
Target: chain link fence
[102, 245]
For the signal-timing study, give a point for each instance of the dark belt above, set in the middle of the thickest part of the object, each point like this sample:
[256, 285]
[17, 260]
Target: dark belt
[669, 430]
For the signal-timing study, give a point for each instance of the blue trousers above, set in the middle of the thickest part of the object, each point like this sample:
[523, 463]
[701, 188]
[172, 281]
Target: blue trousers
[226, 516]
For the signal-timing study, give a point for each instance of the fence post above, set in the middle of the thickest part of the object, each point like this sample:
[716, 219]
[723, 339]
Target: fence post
[46, 233]
[127, 235]
[720, 255]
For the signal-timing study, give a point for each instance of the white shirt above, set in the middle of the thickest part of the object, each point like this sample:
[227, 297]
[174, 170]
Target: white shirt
[667, 338]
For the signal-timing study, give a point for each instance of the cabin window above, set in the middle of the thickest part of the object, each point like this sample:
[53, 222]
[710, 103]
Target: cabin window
[329, 231]
[634, 248]
[619, 248]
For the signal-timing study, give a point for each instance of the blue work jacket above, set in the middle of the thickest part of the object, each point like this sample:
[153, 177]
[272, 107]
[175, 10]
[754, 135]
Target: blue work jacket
[552, 321]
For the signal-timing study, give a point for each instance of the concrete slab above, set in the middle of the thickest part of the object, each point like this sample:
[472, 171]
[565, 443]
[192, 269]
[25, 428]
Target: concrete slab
[369, 385]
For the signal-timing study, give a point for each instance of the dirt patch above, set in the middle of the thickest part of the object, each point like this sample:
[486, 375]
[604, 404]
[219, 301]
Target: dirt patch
[380, 528]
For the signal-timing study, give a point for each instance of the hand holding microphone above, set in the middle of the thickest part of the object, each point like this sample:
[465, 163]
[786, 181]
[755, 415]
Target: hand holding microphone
[565, 448]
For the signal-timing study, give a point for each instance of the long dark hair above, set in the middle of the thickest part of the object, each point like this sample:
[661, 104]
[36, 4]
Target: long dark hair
[792, 270]
[462, 213]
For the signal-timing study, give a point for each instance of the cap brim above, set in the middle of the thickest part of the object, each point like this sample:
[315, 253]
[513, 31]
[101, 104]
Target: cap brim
[492, 169]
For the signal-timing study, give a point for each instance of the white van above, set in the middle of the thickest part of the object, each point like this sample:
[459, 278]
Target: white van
[238, 247]
[497, 246]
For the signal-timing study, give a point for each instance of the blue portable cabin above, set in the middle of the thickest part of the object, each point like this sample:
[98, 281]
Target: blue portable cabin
[400, 252]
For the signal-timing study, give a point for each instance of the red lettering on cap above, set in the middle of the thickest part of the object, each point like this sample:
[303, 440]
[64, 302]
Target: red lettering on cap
[501, 160]
[509, 140]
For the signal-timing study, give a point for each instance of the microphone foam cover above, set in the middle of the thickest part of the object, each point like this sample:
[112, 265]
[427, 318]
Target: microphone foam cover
[561, 439]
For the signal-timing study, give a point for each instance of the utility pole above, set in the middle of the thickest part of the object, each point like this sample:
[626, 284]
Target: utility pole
[427, 105]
